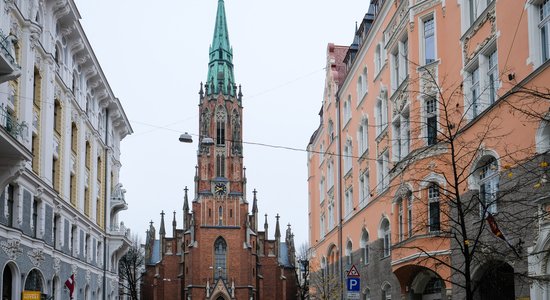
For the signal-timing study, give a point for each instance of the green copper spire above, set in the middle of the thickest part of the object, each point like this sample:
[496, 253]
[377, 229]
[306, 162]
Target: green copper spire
[220, 68]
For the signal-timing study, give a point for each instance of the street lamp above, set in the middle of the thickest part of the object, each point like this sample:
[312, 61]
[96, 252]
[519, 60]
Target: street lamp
[204, 140]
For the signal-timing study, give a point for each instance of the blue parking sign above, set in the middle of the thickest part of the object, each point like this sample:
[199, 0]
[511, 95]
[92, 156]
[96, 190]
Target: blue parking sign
[354, 284]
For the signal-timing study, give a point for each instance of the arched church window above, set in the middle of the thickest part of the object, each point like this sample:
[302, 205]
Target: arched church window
[220, 252]
[220, 128]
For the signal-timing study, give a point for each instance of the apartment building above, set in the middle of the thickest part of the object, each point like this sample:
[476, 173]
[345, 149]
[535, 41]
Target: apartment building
[60, 132]
[428, 168]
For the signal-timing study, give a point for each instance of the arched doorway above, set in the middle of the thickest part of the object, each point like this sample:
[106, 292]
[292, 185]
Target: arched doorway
[427, 285]
[34, 281]
[495, 280]
[10, 283]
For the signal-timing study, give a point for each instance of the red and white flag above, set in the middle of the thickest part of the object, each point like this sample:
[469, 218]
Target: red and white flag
[70, 285]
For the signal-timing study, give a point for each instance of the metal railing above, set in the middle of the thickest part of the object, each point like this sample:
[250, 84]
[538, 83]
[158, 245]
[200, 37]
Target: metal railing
[10, 123]
[6, 47]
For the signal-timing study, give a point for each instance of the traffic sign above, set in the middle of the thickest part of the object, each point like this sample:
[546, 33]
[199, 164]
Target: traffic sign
[353, 272]
[354, 284]
[353, 296]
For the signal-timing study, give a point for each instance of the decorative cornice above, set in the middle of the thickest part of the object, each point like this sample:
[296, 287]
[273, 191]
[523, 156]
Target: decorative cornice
[12, 248]
[36, 256]
[489, 15]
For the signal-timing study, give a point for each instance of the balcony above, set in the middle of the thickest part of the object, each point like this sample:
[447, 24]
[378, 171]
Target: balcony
[118, 203]
[9, 69]
[13, 154]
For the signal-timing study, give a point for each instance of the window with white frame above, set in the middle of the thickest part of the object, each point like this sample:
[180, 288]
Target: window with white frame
[347, 110]
[348, 156]
[322, 191]
[330, 211]
[430, 104]
[400, 219]
[366, 295]
[348, 196]
[383, 171]
[381, 112]
[428, 38]
[543, 137]
[434, 208]
[330, 174]
[330, 131]
[321, 153]
[322, 226]
[539, 31]
[475, 8]
[385, 234]
[482, 82]
[359, 88]
[365, 247]
[488, 180]
[378, 59]
[399, 62]
[401, 134]
[386, 291]
[410, 214]
[363, 136]
[364, 84]
[349, 258]
[364, 193]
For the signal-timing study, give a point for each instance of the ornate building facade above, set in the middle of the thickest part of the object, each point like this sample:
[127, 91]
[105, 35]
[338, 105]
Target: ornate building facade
[428, 169]
[219, 253]
[60, 132]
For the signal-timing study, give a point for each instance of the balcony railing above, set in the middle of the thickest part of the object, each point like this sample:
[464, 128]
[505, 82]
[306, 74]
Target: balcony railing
[9, 122]
[5, 45]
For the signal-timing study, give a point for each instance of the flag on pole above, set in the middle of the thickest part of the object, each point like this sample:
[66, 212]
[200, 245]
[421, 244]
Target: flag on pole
[497, 232]
[70, 285]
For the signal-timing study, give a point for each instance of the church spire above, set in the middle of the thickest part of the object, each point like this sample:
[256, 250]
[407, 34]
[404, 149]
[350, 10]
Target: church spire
[220, 67]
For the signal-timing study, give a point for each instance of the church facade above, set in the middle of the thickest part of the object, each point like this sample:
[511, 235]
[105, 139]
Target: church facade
[219, 252]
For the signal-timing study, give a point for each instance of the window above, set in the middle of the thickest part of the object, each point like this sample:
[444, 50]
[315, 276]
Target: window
[434, 210]
[400, 62]
[74, 138]
[347, 110]
[348, 201]
[474, 91]
[220, 127]
[56, 184]
[57, 117]
[431, 120]
[220, 216]
[492, 76]
[386, 291]
[321, 153]
[56, 227]
[348, 156]
[330, 175]
[366, 295]
[322, 190]
[9, 196]
[74, 241]
[385, 234]
[487, 173]
[360, 88]
[400, 219]
[35, 217]
[220, 252]
[544, 29]
[395, 69]
[220, 165]
[401, 135]
[349, 258]
[363, 136]
[429, 40]
[381, 112]
[365, 247]
[410, 214]
[330, 131]
[475, 7]
[364, 193]
[331, 214]
[377, 59]
[383, 171]
[322, 226]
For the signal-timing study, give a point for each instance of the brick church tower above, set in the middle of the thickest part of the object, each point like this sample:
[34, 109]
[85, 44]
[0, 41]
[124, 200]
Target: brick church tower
[219, 253]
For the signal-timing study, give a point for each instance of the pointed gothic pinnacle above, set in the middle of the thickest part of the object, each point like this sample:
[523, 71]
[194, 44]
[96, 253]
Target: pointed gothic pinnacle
[255, 202]
[201, 92]
[162, 231]
[277, 230]
[174, 220]
[265, 226]
[185, 201]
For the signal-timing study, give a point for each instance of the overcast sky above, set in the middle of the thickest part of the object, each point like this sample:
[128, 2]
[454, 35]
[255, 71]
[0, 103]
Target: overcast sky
[155, 55]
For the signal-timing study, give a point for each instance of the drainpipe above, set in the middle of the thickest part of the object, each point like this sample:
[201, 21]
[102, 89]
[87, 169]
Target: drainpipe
[106, 194]
[339, 193]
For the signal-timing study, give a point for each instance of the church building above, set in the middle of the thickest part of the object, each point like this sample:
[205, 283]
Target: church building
[219, 252]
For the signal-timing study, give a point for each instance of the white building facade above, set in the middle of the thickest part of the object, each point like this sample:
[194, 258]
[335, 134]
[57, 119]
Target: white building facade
[60, 133]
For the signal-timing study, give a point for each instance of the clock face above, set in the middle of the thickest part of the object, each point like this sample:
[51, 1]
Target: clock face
[220, 189]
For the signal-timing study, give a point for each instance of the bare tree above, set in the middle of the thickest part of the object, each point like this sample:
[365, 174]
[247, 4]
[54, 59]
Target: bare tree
[131, 268]
[477, 203]
[324, 285]
[302, 271]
